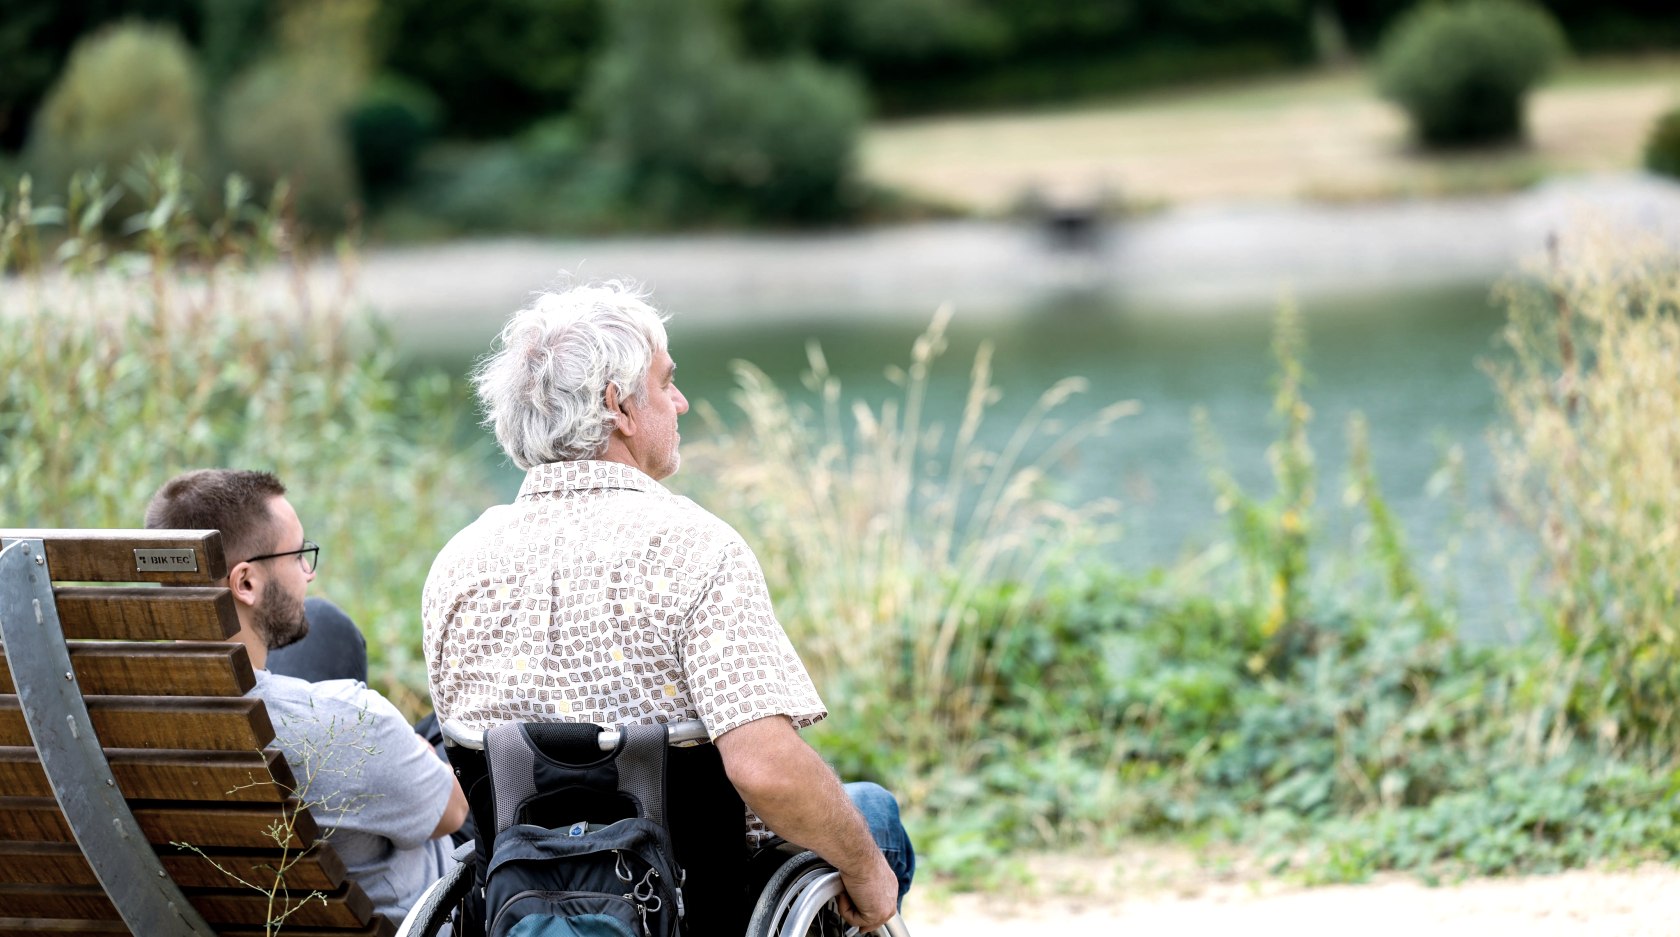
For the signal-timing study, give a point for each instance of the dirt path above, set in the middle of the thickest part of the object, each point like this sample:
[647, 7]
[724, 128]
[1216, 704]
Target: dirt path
[1323, 137]
[1107, 896]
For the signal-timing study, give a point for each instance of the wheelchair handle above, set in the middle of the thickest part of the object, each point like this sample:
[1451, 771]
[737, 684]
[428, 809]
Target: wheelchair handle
[676, 733]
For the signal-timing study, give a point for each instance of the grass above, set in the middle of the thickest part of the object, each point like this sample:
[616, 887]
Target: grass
[1318, 135]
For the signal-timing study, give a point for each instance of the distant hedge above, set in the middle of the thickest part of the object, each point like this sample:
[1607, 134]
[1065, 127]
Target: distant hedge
[498, 66]
[1662, 148]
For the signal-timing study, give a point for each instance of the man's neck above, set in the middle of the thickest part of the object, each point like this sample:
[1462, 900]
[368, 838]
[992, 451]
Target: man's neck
[617, 451]
[255, 647]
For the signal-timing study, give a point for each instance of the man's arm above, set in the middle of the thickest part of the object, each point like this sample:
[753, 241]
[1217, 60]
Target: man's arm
[796, 794]
[455, 813]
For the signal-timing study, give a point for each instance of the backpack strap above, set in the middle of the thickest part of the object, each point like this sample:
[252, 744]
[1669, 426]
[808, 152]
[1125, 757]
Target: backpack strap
[513, 763]
[641, 769]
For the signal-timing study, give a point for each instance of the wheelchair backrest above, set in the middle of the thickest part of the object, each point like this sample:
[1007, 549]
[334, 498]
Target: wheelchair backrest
[705, 815]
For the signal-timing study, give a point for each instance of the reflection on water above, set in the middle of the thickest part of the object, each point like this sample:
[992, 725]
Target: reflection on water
[1407, 361]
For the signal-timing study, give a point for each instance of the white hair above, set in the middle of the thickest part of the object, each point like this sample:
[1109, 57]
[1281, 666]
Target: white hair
[543, 389]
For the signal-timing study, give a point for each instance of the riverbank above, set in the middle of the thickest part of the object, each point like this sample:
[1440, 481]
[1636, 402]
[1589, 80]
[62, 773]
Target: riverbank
[1158, 890]
[1197, 256]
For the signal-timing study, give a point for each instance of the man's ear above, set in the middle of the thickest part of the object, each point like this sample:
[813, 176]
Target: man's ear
[622, 418]
[243, 584]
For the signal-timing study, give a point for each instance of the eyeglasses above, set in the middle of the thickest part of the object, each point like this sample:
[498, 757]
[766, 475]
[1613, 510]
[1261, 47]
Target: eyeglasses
[307, 555]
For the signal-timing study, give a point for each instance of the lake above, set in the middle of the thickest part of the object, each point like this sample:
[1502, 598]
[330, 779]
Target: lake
[1407, 360]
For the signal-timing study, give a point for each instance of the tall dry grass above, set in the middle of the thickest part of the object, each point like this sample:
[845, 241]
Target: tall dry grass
[902, 553]
[199, 342]
[1589, 456]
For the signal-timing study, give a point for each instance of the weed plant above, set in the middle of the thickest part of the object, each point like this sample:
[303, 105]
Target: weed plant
[202, 342]
[1587, 452]
[903, 555]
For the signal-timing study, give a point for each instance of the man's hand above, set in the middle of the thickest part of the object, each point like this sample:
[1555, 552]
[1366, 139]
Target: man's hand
[797, 795]
[871, 903]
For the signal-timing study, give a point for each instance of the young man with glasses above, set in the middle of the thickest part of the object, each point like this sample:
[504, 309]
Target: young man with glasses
[388, 802]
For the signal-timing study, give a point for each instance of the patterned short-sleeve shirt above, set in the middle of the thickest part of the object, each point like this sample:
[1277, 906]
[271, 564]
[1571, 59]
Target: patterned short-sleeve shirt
[600, 596]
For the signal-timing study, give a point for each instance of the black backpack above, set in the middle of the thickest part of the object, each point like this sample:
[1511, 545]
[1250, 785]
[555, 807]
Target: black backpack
[581, 844]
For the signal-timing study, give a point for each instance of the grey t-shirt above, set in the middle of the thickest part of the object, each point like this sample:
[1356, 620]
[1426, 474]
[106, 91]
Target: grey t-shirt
[372, 784]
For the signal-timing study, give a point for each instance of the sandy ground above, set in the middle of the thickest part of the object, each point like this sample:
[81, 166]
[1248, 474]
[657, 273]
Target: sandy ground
[1111, 896]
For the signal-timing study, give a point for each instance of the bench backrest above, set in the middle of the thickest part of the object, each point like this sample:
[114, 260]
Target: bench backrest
[135, 775]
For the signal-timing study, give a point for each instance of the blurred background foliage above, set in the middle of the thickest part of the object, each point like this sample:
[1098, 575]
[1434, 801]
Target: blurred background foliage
[1308, 698]
[431, 113]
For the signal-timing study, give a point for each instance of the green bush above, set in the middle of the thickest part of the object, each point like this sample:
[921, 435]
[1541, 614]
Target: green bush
[703, 133]
[281, 121]
[1662, 149]
[127, 90]
[1461, 71]
[394, 119]
[544, 181]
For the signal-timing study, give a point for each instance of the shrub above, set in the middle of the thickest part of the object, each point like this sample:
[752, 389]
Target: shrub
[127, 90]
[1461, 71]
[281, 121]
[394, 119]
[1662, 150]
[545, 181]
[702, 132]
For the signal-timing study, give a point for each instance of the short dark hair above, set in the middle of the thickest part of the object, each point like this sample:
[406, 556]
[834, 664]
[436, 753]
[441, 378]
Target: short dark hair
[233, 501]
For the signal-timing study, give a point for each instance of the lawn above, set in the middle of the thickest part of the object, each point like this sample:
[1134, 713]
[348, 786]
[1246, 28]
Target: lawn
[1322, 136]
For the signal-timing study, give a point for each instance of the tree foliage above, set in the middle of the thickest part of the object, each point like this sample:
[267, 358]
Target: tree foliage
[698, 127]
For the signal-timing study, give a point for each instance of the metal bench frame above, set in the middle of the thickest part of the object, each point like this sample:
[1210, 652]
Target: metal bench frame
[75, 765]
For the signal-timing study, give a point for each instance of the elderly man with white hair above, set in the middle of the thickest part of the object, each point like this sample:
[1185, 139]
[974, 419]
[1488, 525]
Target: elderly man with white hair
[599, 596]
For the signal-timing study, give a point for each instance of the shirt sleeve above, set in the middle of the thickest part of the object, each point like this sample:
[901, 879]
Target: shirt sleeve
[369, 772]
[736, 658]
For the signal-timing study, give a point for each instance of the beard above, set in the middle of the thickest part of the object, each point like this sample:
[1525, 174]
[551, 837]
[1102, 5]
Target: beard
[280, 620]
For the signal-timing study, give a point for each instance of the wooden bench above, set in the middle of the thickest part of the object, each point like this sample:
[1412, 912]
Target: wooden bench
[126, 737]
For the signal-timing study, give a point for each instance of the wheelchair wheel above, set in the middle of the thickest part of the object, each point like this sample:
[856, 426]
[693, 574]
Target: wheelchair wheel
[798, 901]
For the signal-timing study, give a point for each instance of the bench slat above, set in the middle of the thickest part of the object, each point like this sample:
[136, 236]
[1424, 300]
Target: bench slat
[54, 927]
[174, 668]
[184, 722]
[108, 555]
[246, 777]
[348, 906]
[37, 819]
[318, 867]
[63, 864]
[139, 613]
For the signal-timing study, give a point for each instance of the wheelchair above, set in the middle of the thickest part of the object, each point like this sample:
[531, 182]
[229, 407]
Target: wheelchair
[778, 890]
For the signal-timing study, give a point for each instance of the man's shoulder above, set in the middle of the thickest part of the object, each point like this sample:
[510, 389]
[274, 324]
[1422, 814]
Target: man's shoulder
[327, 701]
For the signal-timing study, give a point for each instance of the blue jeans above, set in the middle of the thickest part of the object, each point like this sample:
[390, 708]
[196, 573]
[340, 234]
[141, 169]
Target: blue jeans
[880, 808]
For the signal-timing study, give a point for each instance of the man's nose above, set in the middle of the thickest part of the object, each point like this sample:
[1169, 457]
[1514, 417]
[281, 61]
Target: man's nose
[682, 402]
